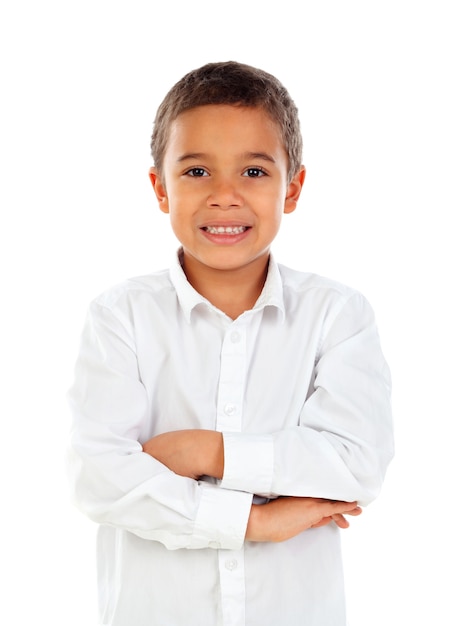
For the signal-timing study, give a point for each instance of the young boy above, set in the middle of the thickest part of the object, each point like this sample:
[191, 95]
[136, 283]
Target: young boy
[228, 412]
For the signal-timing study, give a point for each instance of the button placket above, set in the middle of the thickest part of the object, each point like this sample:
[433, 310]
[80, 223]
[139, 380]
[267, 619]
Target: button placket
[231, 564]
[232, 574]
[230, 409]
[231, 380]
[235, 336]
[231, 388]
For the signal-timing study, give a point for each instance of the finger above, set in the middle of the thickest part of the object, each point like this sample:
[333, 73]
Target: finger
[340, 520]
[357, 511]
[323, 522]
[334, 507]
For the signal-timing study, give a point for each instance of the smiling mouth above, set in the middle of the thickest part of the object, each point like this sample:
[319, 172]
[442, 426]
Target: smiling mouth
[225, 230]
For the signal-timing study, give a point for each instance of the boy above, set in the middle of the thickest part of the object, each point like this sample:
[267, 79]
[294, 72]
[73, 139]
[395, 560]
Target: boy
[228, 413]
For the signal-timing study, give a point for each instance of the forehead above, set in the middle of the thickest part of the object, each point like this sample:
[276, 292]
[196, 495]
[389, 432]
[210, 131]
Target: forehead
[224, 127]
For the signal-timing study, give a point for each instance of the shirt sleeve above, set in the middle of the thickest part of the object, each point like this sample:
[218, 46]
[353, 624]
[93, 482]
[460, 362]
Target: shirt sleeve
[113, 481]
[343, 442]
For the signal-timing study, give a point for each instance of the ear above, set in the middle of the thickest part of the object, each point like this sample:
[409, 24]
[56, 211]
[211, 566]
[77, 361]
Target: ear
[159, 188]
[294, 190]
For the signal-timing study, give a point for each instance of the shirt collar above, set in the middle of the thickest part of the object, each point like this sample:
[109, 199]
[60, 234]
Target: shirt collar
[189, 298]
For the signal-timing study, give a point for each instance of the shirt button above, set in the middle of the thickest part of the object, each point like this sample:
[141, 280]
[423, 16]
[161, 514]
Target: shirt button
[235, 337]
[230, 409]
[231, 564]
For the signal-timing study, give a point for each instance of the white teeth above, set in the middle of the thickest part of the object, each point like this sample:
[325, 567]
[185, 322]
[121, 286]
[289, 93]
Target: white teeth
[225, 230]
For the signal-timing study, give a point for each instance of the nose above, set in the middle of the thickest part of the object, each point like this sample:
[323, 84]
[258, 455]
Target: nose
[224, 194]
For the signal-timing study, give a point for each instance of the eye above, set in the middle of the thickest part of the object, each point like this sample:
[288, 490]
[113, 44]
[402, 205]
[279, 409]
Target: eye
[254, 172]
[197, 171]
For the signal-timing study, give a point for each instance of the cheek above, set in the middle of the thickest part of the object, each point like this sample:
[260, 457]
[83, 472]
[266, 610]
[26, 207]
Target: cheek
[272, 206]
[182, 222]
[176, 220]
[274, 195]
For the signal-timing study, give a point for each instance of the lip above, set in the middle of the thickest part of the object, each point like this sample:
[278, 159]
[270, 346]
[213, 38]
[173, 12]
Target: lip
[225, 238]
[224, 224]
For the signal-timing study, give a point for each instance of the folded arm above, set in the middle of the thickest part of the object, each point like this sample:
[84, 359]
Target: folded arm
[191, 453]
[112, 480]
[194, 453]
[342, 444]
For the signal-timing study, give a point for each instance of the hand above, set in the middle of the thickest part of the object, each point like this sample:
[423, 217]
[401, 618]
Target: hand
[286, 517]
[190, 453]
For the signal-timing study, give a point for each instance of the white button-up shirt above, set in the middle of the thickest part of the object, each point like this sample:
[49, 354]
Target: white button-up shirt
[301, 392]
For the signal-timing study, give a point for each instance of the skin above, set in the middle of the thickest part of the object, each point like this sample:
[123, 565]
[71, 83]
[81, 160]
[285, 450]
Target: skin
[226, 168]
[196, 453]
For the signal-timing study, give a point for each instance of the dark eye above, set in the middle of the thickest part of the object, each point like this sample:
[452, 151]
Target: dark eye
[197, 171]
[254, 172]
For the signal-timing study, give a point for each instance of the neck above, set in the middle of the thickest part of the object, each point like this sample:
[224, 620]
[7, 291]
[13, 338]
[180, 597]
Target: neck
[231, 291]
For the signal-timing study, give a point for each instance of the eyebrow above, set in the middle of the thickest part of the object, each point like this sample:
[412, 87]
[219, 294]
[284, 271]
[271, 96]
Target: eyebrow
[194, 156]
[191, 156]
[263, 156]
[260, 156]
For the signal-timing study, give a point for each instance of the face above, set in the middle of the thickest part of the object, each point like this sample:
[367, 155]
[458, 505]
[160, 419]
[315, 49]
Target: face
[225, 187]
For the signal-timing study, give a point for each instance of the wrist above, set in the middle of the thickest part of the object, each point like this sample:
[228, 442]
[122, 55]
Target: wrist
[213, 454]
[255, 523]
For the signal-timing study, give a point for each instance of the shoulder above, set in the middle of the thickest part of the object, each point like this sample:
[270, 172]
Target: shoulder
[301, 283]
[151, 284]
[135, 292]
[309, 294]
[127, 308]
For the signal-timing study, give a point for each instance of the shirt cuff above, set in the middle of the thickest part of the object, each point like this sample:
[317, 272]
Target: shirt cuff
[248, 462]
[222, 518]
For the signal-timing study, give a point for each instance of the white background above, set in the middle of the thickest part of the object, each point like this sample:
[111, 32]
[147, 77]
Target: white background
[379, 86]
